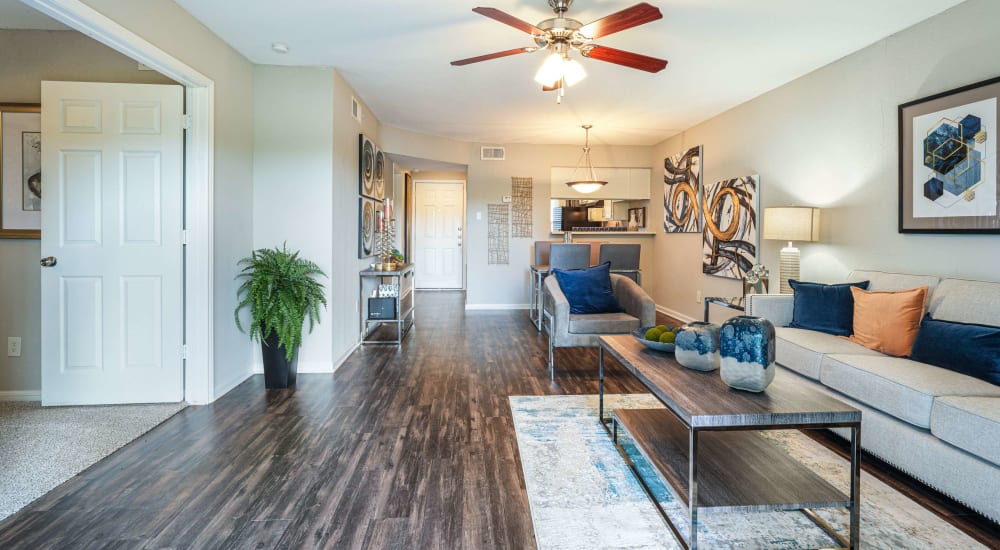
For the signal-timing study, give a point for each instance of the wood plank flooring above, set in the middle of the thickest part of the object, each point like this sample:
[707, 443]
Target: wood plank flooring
[401, 448]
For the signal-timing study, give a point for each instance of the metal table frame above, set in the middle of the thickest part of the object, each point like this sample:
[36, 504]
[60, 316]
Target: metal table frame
[851, 543]
[736, 302]
[404, 319]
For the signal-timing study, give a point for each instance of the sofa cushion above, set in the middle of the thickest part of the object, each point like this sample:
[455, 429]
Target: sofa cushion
[802, 350]
[826, 308]
[588, 290]
[888, 321]
[966, 302]
[602, 323]
[903, 388]
[961, 347]
[969, 423]
[882, 281]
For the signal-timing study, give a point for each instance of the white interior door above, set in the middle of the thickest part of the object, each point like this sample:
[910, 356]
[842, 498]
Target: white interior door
[112, 305]
[438, 227]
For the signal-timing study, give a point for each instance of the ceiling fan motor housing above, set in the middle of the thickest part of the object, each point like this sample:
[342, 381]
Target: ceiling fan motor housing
[560, 6]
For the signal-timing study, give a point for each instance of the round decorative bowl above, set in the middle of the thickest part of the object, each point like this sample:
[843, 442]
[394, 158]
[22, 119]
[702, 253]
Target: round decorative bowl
[640, 335]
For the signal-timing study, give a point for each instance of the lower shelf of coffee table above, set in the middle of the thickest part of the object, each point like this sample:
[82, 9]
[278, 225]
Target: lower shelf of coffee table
[737, 471]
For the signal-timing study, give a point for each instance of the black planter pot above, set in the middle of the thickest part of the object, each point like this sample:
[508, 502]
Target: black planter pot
[279, 373]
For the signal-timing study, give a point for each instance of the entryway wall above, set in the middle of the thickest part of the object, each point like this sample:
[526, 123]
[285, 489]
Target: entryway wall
[26, 58]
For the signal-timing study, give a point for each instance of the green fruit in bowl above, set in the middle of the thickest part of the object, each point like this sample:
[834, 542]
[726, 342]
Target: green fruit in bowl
[667, 337]
[653, 334]
[662, 328]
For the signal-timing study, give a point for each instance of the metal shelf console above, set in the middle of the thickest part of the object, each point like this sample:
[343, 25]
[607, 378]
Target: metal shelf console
[404, 300]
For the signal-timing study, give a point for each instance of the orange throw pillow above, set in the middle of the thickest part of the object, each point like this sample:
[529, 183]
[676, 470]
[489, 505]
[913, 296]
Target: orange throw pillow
[888, 322]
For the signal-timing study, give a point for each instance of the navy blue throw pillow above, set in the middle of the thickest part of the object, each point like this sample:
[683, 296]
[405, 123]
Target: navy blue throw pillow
[825, 308]
[961, 347]
[588, 290]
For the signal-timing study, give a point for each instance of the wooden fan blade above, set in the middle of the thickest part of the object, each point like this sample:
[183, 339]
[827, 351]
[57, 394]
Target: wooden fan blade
[489, 56]
[553, 88]
[628, 59]
[508, 19]
[639, 14]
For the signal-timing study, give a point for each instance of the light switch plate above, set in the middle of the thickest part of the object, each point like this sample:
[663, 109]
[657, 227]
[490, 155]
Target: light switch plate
[14, 346]
[508, 198]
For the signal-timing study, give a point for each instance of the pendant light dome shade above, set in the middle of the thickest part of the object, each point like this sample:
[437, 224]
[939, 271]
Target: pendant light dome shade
[586, 185]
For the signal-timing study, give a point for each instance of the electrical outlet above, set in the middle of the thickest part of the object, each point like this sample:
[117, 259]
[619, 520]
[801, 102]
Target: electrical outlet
[697, 298]
[14, 346]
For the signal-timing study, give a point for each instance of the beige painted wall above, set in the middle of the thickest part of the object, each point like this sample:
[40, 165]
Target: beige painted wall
[489, 181]
[829, 139]
[27, 58]
[175, 31]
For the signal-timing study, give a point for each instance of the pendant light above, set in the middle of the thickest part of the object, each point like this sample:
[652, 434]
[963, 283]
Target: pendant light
[586, 185]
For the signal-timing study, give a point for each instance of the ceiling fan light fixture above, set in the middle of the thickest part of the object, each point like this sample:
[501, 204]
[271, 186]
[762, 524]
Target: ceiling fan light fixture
[551, 70]
[573, 72]
[586, 185]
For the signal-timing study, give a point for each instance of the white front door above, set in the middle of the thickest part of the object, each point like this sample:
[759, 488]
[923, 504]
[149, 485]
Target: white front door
[112, 202]
[439, 223]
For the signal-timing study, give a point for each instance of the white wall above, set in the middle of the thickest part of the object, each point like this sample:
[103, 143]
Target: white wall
[829, 139]
[292, 181]
[27, 58]
[166, 25]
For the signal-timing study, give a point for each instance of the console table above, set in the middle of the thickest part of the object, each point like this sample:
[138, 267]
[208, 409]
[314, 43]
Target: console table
[706, 446]
[402, 278]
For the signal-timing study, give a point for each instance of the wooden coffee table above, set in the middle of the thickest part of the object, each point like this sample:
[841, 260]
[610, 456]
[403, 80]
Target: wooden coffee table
[707, 447]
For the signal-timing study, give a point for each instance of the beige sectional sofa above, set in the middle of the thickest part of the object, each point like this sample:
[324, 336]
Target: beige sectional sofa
[939, 426]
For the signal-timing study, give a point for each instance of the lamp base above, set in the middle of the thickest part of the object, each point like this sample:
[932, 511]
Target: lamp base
[789, 267]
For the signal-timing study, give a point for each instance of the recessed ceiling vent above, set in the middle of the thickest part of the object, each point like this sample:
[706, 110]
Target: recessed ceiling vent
[492, 153]
[355, 109]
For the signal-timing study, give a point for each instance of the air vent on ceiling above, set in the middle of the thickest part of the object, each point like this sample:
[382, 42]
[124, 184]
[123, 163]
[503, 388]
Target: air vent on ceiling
[492, 153]
[355, 109]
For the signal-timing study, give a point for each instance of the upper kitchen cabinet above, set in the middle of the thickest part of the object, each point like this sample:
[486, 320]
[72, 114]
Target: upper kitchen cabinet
[623, 183]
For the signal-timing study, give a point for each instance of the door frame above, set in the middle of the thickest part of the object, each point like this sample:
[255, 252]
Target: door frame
[465, 221]
[199, 155]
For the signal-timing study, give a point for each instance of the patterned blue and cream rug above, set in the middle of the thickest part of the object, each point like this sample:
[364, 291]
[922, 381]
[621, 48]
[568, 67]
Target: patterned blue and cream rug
[583, 495]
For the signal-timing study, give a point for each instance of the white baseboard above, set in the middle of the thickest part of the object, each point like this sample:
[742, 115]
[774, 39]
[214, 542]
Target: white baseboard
[675, 314]
[496, 306]
[229, 386]
[343, 359]
[21, 395]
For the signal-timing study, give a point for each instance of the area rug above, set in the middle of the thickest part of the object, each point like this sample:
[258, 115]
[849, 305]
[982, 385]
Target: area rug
[583, 495]
[42, 447]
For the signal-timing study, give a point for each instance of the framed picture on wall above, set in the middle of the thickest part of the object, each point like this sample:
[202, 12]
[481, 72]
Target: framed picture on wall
[20, 171]
[638, 215]
[948, 161]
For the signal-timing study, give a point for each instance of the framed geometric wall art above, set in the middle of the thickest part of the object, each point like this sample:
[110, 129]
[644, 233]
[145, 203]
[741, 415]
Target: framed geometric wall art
[366, 164]
[366, 227]
[379, 175]
[20, 171]
[948, 161]
[729, 240]
[681, 192]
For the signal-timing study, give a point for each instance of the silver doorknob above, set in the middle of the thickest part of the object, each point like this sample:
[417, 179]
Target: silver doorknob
[48, 261]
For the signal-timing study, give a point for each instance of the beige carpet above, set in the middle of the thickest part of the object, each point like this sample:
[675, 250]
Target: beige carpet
[42, 447]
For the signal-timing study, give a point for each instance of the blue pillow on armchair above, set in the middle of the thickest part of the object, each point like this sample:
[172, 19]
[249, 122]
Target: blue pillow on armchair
[825, 308]
[961, 347]
[588, 290]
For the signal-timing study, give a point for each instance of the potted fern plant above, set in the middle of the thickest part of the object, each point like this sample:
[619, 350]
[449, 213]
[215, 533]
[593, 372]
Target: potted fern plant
[281, 290]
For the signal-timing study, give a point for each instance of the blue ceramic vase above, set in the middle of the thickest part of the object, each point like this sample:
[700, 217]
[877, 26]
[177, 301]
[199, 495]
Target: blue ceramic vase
[697, 346]
[747, 349]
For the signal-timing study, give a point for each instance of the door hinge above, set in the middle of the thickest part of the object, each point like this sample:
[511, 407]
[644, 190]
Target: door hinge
[186, 122]
[184, 237]
[184, 351]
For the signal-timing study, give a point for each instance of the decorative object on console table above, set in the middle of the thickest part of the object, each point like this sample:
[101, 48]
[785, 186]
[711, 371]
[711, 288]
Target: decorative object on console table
[21, 178]
[747, 349]
[790, 223]
[281, 290]
[682, 191]
[729, 237]
[697, 346]
[948, 179]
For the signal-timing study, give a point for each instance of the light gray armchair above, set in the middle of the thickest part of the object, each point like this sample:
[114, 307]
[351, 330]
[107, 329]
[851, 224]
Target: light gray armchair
[571, 330]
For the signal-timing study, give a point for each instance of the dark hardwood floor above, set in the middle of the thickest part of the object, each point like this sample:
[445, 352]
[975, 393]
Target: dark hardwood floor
[401, 448]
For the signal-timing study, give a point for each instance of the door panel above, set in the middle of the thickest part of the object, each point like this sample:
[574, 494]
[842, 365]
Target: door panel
[440, 220]
[112, 317]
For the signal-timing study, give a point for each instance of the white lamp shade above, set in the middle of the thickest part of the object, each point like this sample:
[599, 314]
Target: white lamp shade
[791, 223]
[551, 70]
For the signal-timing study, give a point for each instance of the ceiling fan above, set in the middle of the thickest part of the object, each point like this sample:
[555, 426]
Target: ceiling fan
[562, 35]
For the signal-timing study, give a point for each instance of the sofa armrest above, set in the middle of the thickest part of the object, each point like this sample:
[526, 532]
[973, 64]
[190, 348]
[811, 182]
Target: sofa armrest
[634, 300]
[776, 308]
[555, 303]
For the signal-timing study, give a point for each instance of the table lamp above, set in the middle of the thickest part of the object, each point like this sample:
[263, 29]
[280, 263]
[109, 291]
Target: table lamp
[790, 223]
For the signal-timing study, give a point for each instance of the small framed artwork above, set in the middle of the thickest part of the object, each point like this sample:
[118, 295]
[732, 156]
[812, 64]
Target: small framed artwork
[20, 171]
[948, 161]
[638, 215]
[366, 227]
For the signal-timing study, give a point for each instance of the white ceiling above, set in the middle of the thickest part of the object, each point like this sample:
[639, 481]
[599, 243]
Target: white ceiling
[15, 15]
[396, 54]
